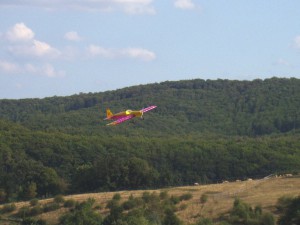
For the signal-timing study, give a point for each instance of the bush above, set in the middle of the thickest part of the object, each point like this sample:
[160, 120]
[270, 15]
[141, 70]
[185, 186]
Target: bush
[290, 212]
[36, 210]
[146, 196]
[204, 221]
[203, 198]
[82, 214]
[132, 203]
[59, 199]
[23, 212]
[267, 219]
[183, 206]
[111, 204]
[69, 203]
[170, 218]
[117, 197]
[34, 202]
[31, 221]
[174, 199]
[51, 207]
[186, 197]
[98, 207]
[7, 208]
[163, 195]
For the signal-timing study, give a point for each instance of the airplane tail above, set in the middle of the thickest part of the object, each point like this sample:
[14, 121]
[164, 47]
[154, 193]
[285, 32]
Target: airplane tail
[108, 114]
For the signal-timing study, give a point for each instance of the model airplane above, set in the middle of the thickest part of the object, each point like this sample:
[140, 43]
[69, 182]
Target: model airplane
[125, 115]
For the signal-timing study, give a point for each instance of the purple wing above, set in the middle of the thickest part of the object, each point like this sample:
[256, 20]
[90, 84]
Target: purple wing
[121, 120]
[148, 108]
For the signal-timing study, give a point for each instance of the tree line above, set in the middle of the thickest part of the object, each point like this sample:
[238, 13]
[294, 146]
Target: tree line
[41, 164]
[227, 107]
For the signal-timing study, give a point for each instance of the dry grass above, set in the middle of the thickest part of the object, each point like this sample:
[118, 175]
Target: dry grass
[220, 198]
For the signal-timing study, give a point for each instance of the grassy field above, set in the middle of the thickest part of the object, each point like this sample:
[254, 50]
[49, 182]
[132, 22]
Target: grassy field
[220, 197]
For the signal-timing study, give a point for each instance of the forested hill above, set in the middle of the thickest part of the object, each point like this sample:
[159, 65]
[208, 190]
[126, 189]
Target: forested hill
[201, 131]
[226, 107]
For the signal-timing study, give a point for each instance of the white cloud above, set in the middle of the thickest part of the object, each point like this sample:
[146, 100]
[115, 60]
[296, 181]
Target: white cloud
[127, 6]
[49, 71]
[35, 48]
[94, 50]
[72, 36]
[20, 32]
[136, 53]
[22, 43]
[46, 70]
[43, 70]
[8, 67]
[139, 53]
[136, 6]
[281, 62]
[297, 42]
[41, 48]
[184, 4]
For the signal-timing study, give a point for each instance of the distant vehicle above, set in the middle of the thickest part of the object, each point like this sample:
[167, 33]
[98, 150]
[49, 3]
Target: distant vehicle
[126, 115]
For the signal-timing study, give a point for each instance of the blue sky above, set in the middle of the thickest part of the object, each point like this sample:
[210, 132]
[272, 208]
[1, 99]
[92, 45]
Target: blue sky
[62, 47]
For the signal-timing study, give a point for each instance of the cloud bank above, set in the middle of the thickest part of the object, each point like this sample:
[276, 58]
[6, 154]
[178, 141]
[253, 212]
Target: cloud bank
[24, 54]
[135, 53]
[184, 4]
[23, 43]
[127, 6]
[297, 42]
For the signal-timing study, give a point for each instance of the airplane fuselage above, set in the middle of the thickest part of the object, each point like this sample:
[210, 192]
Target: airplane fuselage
[128, 112]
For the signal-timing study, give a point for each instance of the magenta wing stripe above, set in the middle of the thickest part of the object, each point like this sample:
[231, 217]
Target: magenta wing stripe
[123, 119]
[148, 108]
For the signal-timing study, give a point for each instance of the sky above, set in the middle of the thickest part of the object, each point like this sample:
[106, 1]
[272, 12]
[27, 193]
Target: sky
[62, 47]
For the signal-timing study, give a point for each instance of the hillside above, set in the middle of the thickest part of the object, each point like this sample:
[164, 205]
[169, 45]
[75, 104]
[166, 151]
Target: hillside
[224, 107]
[202, 131]
[220, 197]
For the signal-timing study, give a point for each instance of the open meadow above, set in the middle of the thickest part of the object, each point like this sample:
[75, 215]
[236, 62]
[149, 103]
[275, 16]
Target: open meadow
[219, 198]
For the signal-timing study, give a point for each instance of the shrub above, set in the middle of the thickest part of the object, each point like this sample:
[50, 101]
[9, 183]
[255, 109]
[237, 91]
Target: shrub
[170, 218]
[132, 203]
[7, 208]
[117, 197]
[146, 196]
[186, 197]
[31, 221]
[183, 206]
[98, 207]
[290, 212]
[174, 199]
[34, 202]
[23, 212]
[69, 203]
[203, 198]
[267, 219]
[163, 195]
[82, 214]
[204, 221]
[59, 199]
[36, 210]
[111, 204]
[51, 207]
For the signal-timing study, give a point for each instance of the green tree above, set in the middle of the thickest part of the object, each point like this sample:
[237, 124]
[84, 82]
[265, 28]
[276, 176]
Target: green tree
[290, 214]
[83, 214]
[170, 218]
[30, 191]
[50, 183]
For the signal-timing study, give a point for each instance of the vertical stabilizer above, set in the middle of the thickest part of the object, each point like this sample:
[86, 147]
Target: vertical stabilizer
[108, 113]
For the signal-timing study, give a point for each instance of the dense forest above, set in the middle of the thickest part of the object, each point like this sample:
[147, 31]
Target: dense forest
[227, 107]
[201, 131]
